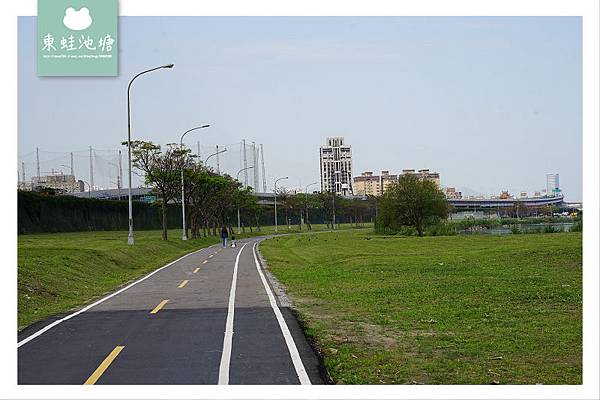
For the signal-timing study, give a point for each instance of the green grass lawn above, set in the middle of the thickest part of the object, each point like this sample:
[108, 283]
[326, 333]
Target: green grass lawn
[60, 271]
[438, 310]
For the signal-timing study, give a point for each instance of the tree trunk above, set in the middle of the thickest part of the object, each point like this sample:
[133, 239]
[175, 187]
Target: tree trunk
[194, 227]
[164, 220]
[419, 229]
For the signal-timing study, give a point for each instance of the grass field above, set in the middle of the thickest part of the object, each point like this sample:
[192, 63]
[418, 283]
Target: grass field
[438, 310]
[60, 271]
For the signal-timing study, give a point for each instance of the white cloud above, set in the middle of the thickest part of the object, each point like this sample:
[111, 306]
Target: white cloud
[77, 20]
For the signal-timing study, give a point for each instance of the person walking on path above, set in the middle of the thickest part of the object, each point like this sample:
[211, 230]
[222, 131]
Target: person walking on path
[224, 235]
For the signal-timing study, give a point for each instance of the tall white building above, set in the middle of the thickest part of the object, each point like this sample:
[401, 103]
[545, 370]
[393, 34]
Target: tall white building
[552, 185]
[336, 166]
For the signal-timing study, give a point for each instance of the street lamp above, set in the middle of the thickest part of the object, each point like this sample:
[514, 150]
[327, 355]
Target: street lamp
[130, 240]
[237, 178]
[184, 236]
[277, 180]
[306, 199]
[214, 154]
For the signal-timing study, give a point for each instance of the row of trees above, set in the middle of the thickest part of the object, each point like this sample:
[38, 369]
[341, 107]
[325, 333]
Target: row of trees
[211, 199]
[331, 208]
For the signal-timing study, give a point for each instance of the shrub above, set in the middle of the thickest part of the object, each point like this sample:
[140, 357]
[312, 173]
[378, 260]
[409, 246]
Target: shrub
[443, 229]
[577, 227]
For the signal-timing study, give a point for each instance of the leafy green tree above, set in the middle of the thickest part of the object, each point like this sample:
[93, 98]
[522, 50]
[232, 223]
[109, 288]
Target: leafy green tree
[162, 171]
[310, 201]
[412, 202]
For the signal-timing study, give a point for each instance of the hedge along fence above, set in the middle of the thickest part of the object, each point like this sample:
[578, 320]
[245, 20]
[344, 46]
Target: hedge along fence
[48, 214]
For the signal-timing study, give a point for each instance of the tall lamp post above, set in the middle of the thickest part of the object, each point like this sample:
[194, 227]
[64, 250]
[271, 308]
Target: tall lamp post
[237, 178]
[130, 240]
[277, 180]
[184, 235]
[214, 154]
[306, 199]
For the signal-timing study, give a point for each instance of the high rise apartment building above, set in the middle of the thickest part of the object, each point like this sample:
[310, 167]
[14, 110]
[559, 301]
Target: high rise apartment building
[368, 184]
[552, 185]
[336, 166]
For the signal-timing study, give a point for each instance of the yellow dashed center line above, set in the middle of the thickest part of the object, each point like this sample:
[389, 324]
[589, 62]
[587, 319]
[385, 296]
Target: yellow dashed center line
[204, 262]
[182, 284]
[159, 306]
[103, 366]
[196, 270]
[211, 256]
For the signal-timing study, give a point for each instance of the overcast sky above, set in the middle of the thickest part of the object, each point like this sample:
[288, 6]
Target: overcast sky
[490, 103]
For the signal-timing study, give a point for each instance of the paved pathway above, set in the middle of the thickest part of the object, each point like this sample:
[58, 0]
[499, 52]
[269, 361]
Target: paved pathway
[208, 318]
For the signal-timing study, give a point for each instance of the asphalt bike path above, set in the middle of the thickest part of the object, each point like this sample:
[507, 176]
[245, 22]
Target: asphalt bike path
[209, 318]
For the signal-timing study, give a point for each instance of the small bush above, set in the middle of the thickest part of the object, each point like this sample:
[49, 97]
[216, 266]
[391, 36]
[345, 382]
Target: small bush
[406, 231]
[577, 227]
[515, 230]
[549, 229]
[440, 230]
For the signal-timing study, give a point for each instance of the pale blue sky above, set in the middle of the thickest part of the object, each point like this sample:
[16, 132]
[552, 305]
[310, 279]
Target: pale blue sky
[490, 103]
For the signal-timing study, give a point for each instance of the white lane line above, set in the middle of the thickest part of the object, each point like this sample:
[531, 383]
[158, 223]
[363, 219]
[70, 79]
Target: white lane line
[228, 339]
[52, 325]
[289, 340]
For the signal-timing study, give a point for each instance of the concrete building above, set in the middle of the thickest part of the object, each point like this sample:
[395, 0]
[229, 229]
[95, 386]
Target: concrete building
[552, 185]
[367, 184]
[336, 166]
[65, 183]
[452, 193]
[424, 174]
[386, 180]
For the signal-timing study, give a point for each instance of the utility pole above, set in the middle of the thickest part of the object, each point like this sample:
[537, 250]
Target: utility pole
[198, 153]
[37, 159]
[333, 202]
[262, 160]
[245, 164]
[275, 193]
[218, 166]
[72, 170]
[91, 170]
[256, 170]
[255, 166]
[120, 177]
